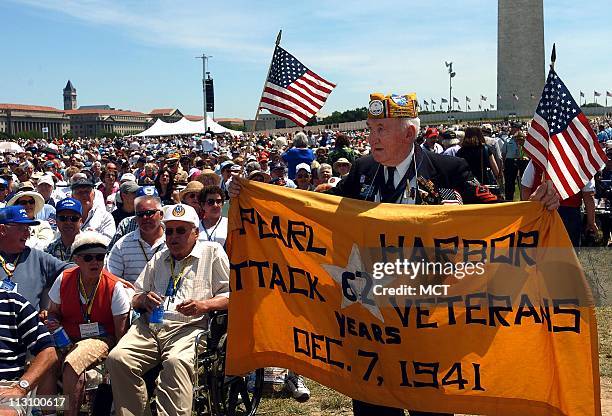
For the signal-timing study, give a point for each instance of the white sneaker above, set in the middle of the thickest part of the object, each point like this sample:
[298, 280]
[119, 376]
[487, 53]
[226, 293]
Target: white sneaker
[295, 385]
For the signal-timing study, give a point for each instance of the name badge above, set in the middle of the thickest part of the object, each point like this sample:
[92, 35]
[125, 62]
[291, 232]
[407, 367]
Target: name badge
[90, 330]
[8, 285]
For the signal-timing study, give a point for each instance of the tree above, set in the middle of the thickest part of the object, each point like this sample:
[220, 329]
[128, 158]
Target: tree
[229, 125]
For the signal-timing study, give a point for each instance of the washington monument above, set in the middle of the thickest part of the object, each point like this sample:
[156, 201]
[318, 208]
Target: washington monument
[520, 55]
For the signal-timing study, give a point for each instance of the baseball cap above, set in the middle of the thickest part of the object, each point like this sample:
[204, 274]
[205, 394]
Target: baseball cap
[225, 164]
[69, 204]
[3, 183]
[46, 179]
[304, 166]
[181, 212]
[431, 132]
[127, 177]
[147, 191]
[129, 187]
[80, 180]
[16, 214]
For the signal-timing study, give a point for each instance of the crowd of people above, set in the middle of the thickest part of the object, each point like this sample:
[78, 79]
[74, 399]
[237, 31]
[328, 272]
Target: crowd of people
[98, 235]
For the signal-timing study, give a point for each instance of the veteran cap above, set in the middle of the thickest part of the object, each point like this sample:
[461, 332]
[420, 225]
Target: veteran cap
[392, 106]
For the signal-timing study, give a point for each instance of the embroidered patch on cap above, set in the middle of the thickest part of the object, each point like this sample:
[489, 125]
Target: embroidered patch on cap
[178, 211]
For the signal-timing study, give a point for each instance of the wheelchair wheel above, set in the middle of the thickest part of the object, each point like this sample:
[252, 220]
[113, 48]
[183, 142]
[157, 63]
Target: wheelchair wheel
[233, 395]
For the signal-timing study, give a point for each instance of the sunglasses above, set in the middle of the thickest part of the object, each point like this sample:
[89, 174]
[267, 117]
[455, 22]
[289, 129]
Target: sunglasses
[210, 202]
[179, 230]
[71, 218]
[147, 213]
[89, 257]
[303, 176]
[26, 202]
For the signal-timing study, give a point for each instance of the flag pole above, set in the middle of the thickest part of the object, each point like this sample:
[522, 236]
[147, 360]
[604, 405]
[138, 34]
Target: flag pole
[278, 39]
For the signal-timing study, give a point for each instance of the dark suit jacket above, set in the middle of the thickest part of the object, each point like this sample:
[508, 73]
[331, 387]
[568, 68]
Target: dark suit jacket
[444, 171]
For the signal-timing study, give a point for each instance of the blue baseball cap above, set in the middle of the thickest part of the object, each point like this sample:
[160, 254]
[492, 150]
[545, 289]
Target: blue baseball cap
[15, 214]
[147, 191]
[69, 204]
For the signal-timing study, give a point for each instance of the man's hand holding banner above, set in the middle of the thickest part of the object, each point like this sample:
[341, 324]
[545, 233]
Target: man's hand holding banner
[465, 309]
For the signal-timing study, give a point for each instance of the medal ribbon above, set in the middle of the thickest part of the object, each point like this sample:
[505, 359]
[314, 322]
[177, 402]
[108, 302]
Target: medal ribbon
[9, 268]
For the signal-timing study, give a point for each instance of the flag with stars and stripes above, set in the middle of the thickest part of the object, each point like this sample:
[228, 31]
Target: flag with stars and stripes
[292, 90]
[561, 141]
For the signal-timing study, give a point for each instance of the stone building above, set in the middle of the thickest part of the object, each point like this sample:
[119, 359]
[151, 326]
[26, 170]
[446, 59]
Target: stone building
[94, 122]
[16, 118]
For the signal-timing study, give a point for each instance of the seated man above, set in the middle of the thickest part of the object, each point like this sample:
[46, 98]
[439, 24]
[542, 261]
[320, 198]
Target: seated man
[69, 223]
[31, 337]
[181, 284]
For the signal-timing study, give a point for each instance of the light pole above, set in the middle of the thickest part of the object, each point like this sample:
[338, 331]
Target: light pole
[451, 74]
[204, 58]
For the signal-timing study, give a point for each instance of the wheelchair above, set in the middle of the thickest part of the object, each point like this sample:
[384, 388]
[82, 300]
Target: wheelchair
[215, 393]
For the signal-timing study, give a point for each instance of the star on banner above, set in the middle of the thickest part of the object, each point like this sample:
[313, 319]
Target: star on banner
[355, 283]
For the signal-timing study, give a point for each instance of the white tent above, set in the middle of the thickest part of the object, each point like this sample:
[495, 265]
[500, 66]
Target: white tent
[184, 126]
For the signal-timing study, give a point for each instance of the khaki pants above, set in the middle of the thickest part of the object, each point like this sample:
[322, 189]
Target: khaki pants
[139, 351]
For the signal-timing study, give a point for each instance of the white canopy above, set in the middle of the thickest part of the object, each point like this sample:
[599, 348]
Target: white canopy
[184, 126]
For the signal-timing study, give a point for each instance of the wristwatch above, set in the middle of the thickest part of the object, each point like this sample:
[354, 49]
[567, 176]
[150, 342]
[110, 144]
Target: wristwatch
[25, 385]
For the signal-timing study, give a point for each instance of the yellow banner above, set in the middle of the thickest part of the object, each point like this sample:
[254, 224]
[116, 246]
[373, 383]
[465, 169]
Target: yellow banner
[479, 309]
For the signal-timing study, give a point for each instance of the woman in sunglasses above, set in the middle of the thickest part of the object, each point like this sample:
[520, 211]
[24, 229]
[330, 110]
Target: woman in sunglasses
[41, 235]
[213, 226]
[88, 310]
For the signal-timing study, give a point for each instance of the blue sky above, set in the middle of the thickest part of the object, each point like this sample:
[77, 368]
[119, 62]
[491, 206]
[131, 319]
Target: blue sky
[140, 55]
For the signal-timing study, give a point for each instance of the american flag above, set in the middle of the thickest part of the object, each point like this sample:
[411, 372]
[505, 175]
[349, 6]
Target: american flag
[292, 90]
[561, 141]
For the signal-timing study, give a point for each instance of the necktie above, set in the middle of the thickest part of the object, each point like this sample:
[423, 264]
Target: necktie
[389, 188]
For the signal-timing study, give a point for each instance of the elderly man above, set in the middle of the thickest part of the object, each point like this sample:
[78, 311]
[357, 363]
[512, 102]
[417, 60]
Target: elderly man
[395, 172]
[23, 269]
[42, 233]
[129, 224]
[95, 216]
[176, 289]
[130, 255]
[69, 221]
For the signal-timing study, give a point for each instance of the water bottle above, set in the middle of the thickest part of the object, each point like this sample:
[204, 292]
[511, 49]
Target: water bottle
[156, 319]
[61, 338]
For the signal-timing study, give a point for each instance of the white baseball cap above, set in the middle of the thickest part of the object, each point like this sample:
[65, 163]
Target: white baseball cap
[304, 166]
[46, 179]
[127, 177]
[181, 212]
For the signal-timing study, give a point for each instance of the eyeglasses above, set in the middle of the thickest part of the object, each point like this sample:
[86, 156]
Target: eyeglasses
[179, 230]
[210, 202]
[303, 176]
[89, 257]
[26, 202]
[71, 218]
[147, 213]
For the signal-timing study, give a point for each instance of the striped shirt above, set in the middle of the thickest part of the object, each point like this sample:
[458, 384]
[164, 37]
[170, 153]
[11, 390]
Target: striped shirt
[127, 225]
[129, 256]
[20, 332]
